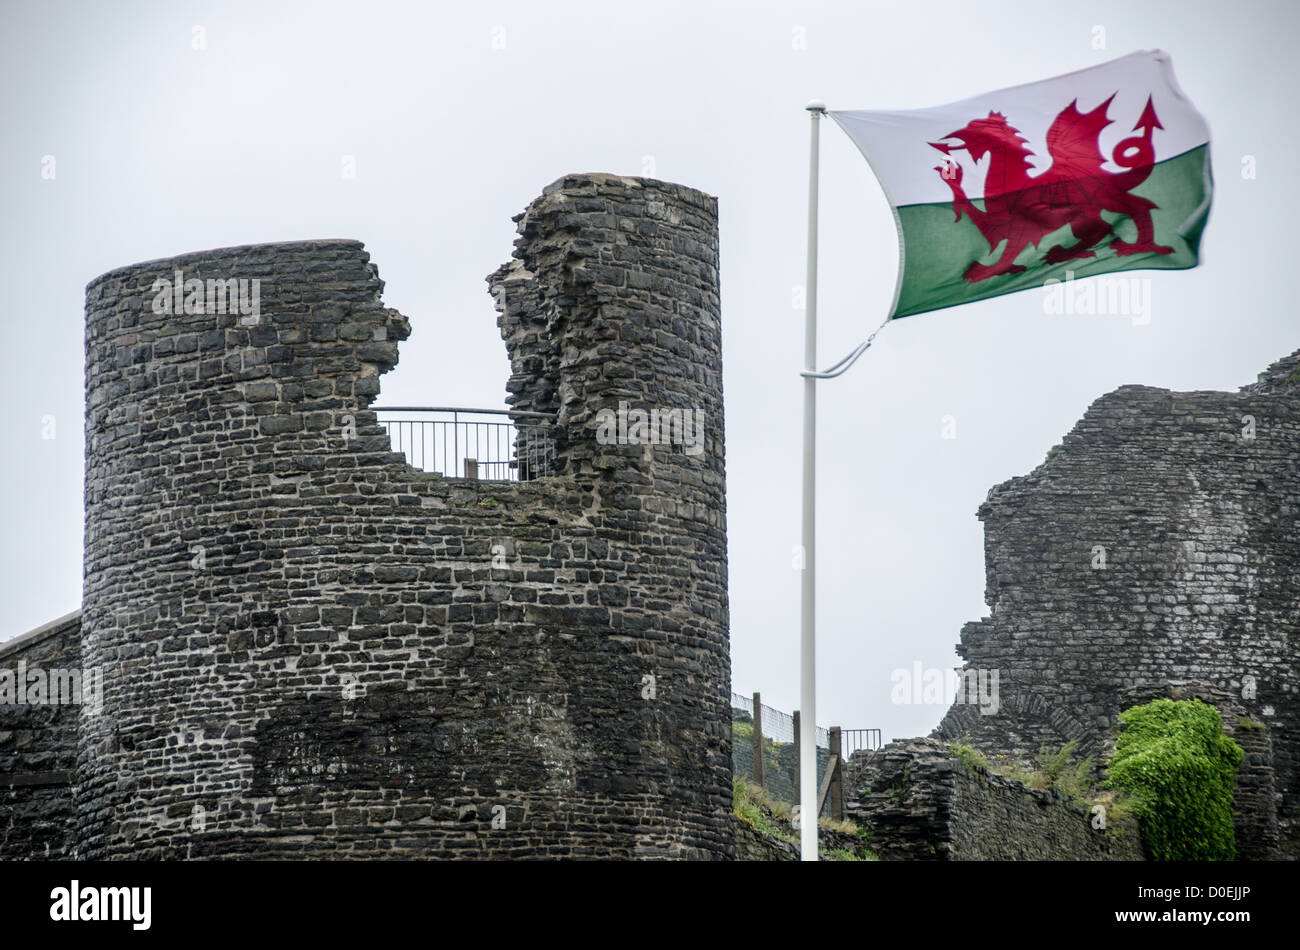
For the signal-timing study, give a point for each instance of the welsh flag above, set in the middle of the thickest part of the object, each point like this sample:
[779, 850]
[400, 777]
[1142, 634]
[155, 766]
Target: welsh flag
[1104, 169]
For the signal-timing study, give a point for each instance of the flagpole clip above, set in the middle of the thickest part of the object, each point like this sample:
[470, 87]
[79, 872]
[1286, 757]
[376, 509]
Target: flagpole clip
[843, 366]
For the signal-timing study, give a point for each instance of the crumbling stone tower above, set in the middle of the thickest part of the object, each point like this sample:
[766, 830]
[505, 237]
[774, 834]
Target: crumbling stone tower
[1156, 552]
[310, 649]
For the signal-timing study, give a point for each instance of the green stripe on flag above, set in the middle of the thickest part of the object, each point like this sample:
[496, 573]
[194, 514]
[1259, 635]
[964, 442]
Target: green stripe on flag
[937, 250]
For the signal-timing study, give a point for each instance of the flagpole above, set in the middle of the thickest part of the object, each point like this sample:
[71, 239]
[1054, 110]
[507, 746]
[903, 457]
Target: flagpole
[808, 595]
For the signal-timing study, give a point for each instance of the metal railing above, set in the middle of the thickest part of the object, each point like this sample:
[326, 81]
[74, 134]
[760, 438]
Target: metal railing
[462, 443]
[764, 750]
[857, 740]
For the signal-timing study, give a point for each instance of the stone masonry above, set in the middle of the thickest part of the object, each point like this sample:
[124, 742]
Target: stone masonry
[38, 744]
[922, 804]
[311, 649]
[1155, 552]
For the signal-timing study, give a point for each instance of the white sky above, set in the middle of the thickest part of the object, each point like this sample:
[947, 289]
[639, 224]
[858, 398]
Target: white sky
[163, 149]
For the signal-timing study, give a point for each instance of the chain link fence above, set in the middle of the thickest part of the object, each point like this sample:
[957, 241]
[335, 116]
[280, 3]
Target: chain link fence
[780, 765]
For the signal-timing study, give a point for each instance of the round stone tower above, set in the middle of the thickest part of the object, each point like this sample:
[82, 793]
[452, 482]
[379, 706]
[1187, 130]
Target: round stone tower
[311, 649]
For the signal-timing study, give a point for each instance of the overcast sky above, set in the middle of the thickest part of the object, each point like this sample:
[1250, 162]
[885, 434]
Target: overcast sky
[459, 114]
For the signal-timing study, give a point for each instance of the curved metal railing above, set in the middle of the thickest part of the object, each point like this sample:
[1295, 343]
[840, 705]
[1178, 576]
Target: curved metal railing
[460, 443]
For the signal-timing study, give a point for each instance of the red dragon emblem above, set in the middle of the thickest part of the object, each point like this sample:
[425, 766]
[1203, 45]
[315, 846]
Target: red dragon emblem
[1075, 190]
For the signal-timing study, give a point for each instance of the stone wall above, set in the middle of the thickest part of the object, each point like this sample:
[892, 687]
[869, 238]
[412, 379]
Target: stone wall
[755, 845]
[311, 649]
[922, 804]
[1156, 549]
[38, 742]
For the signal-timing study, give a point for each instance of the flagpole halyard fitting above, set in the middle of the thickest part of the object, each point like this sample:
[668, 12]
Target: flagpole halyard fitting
[852, 358]
[808, 587]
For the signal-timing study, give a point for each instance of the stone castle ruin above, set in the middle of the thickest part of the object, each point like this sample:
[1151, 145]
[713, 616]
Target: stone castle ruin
[294, 644]
[1155, 553]
[310, 649]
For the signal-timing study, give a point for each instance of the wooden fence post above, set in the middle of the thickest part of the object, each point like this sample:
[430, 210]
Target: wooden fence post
[837, 781]
[758, 740]
[796, 757]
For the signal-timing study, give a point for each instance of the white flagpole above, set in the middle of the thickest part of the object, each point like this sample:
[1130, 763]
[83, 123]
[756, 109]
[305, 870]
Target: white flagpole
[808, 600]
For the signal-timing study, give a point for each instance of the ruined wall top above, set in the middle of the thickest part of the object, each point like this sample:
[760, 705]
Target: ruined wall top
[604, 267]
[309, 648]
[1157, 548]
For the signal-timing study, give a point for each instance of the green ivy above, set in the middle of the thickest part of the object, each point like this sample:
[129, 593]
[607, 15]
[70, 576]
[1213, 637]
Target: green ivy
[1180, 769]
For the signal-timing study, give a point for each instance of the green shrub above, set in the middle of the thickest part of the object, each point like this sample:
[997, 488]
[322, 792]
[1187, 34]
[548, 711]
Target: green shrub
[747, 803]
[1059, 770]
[968, 757]
[759, 810]
[1179, 768]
